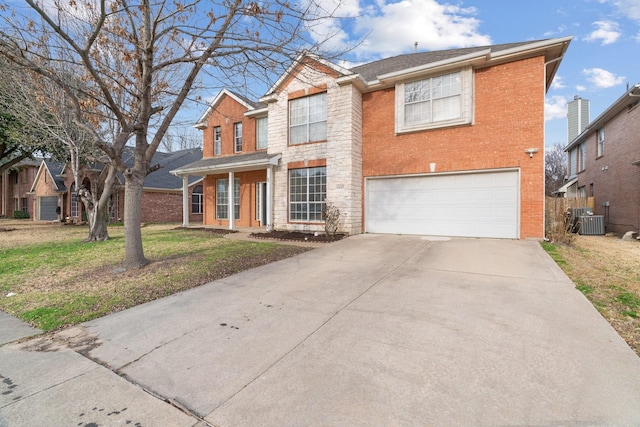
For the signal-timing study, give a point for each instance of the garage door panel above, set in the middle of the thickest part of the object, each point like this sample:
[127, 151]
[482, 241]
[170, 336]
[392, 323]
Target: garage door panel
[48, 207]
[474, 205]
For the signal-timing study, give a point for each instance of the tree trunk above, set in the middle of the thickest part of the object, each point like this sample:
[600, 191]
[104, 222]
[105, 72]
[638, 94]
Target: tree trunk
[96, 215]
[133, 251]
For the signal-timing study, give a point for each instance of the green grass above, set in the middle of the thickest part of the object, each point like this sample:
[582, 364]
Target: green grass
[57, 284]
[554, 252]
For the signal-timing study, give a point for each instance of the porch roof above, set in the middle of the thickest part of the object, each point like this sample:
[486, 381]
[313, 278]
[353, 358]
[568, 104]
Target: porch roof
[236, 163]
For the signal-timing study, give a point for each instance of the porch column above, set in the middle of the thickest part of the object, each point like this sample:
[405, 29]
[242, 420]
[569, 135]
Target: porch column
[230, 201]
[269, 197]
[185, 201]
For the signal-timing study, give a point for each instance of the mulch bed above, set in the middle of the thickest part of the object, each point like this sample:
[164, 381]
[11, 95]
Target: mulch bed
[298, 236]
[210, 230]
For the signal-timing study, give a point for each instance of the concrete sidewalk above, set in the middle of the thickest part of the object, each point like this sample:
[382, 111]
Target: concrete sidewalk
[371, 330]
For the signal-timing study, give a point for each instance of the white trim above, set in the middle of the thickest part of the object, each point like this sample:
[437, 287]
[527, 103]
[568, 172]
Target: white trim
[237, 167]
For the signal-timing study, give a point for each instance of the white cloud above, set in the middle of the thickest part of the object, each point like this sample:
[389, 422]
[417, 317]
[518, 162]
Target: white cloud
[606, 32]
[391, 28]
[557, 83]
[630, 8]
[602, 79]
[581, 88]
[553, 33]
[330, 31]
[555, 107]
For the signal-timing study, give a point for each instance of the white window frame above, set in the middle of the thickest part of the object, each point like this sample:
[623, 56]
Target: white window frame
[217, 141]
[307, 195]
[305, 123]
[75, 207]
[196, 199]
[465, 99]
[582, 153]
[600, 142]
[262, 140]
[573, 161]
[222, 200]
[237, 137]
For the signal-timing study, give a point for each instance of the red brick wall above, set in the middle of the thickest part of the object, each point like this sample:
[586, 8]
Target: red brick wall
[248, 182]
[508, 118]
[618, 182]
[227, 112]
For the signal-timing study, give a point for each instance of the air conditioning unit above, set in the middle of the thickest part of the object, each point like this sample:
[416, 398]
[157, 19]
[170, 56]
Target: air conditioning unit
[591, 225]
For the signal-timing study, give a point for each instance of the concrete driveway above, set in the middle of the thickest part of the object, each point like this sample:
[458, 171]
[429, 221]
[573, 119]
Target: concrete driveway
[371, 330]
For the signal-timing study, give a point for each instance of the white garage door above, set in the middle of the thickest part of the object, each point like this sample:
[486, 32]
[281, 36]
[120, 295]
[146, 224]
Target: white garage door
[468, 205]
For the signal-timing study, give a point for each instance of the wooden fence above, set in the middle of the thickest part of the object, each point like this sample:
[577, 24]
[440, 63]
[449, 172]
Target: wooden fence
[556, 214]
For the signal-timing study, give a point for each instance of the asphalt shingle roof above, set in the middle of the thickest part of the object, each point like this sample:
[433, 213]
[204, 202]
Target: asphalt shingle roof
[161, 178]
[371, 70]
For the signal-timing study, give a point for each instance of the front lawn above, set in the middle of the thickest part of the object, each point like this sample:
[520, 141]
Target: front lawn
[51, 279]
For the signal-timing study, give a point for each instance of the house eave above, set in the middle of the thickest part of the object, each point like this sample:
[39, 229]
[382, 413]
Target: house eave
[409, 73]
[230, 166]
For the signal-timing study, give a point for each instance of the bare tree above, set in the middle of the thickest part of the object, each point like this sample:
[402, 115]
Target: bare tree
[555, 168]
[139, 62]
[180, 139]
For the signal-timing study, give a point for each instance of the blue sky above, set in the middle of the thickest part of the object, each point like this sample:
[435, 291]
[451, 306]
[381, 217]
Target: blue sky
[604, 55]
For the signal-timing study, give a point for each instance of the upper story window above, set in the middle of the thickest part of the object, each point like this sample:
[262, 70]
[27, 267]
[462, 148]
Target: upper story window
[217, 141]
[237, 137]
[573, 154]
[438, 101]
[600, 150]
[308, 119]
[582, 152]
[261, 133]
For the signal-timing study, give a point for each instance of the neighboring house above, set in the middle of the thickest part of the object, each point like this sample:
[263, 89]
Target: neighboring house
[54, 187]
[15, 184]
[434, 143]
[604, 163]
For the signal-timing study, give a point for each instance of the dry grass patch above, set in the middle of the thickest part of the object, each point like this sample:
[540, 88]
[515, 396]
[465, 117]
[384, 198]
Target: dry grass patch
[51, 279]
[606, 270]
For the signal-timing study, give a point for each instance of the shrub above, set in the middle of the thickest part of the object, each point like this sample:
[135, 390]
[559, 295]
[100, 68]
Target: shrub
[20, 215]
[331, 217]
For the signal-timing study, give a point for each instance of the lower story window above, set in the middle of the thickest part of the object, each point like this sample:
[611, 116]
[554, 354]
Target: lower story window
[25, 205]
[222, 198]
[74, 201]
[307, 194]
[196, 200]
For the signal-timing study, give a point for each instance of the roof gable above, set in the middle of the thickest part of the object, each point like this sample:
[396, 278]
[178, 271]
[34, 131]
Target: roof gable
[250, 105]
[306, 60]
[55, 171]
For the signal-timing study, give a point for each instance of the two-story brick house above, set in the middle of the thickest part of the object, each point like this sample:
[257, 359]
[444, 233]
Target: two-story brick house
[436, 143]
[604, 162]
